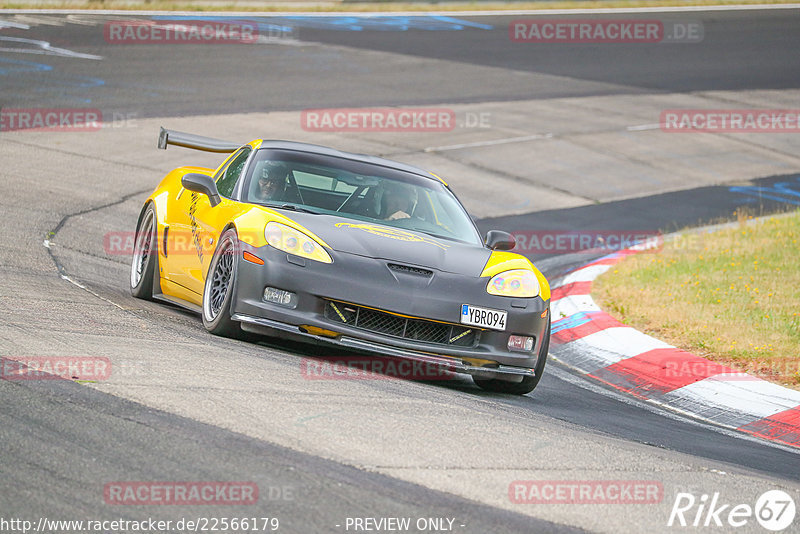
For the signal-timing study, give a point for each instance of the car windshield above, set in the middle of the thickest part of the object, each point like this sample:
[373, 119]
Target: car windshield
[356, 190]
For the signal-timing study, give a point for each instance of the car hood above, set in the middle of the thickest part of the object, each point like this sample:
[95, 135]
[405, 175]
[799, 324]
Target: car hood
[395, 244]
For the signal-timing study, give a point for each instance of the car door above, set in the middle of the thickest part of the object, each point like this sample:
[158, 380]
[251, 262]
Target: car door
[194, 230]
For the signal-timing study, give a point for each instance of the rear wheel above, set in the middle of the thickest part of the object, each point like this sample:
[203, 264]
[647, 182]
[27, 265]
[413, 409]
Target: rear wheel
[528, 383]
[218, 290]
[145, 256]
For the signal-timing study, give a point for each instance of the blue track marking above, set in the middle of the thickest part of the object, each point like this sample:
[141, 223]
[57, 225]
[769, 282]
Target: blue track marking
[572, 321]
[787, 192]
[356, 23]
[19, 65]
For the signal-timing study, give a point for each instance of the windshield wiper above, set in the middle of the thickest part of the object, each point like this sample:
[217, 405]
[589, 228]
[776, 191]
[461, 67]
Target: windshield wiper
[293, 207]
[439, 236]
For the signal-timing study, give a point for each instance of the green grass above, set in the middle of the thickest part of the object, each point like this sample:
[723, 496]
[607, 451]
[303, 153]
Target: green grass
[732, 296]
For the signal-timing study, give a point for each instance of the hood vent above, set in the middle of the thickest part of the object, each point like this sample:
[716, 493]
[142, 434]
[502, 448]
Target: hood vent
[410, 270]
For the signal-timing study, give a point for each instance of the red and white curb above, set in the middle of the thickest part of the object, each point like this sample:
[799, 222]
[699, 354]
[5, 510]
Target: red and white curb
[591, 341]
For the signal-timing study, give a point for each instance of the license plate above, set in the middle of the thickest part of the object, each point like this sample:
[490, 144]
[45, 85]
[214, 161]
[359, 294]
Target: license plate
[485, 317]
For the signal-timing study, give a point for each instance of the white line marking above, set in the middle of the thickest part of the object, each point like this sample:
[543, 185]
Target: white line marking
[84, 21]
[47, 244]
[264, 39]
[643, 127]
[44, 47]
[493, 142]
[71, 281]
[35, 21]
[7, 24]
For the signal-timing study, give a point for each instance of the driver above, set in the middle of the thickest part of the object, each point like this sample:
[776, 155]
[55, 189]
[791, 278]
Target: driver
[397, 202]
[272, 183]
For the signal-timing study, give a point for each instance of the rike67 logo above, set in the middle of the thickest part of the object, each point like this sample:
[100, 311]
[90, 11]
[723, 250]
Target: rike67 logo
[774, 510]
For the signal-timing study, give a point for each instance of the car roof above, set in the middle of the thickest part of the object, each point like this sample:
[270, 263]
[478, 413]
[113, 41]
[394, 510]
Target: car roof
[327, 151]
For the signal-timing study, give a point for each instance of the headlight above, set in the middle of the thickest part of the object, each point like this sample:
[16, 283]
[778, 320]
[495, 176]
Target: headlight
[514, 283]
[295, 242]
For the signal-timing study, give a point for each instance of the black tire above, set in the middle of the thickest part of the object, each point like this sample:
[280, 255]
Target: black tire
[218, 289]
[145, 255]
[528, 383]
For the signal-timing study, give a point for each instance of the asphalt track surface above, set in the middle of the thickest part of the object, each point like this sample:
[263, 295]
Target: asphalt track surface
[85, 437]
[63, 441]
[739, 51]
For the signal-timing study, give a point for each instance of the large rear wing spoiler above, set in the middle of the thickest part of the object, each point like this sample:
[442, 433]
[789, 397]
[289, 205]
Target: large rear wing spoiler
[197, 142]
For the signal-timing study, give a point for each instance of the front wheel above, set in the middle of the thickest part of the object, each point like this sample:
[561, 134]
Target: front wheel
[218, 290]
[528, 383]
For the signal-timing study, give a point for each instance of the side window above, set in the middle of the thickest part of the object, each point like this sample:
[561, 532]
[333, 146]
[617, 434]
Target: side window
[227, 180]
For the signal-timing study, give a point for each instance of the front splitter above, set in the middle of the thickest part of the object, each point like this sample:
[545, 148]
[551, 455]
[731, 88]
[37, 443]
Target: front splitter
[454, 364]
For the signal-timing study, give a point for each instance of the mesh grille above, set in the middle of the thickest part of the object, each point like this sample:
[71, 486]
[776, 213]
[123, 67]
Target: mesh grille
[394, 325]
[427, 331]
[380, 322]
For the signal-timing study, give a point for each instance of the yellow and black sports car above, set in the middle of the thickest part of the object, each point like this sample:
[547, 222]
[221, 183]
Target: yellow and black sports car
[300, 241]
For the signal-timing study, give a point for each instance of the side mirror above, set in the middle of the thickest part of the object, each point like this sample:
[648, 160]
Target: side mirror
[499, 240]
[201, 183]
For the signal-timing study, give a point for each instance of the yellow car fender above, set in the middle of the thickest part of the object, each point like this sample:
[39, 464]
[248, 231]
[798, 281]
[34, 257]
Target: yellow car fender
[501, 261]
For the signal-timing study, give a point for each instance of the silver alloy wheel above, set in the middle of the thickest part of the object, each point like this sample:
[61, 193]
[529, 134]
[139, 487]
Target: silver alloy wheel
[218, 284]
[143, 247]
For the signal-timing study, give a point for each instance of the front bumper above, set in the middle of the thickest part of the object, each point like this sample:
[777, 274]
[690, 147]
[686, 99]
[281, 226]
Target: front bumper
[371, 283]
